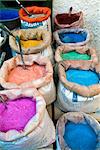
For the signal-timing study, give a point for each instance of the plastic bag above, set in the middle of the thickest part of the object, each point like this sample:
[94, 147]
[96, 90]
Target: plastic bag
[76, 53]
[75, 97]
[45, 85]
[31, 34]
[72, 37]
[40, 18]
[33, 135]
[66, 20]
[75, 117]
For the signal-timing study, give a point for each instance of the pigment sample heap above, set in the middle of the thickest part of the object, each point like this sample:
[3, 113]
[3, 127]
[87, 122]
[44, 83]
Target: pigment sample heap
[80, 136]
[73, 55]
[17, 114]
[82, 77]
[71, 37]
[19, 75]
[29, 43]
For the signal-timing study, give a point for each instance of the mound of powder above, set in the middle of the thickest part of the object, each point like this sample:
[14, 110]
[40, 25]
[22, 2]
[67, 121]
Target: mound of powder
[71, 37]
[80, 136]
[73, 55]
[31, 43]
[19, 75]
[17, 114]
[82, 77]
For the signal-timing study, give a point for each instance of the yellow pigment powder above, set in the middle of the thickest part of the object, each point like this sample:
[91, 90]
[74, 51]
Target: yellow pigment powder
[31, 43]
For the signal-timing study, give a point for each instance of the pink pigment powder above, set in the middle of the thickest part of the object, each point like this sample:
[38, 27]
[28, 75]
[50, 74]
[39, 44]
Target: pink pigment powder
[19, 75]
[17, 114]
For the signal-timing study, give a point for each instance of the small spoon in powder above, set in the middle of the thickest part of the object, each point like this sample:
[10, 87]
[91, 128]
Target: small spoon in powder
[17, 41]
[19, 3]
[3, 101]
[70, 11]
[21, 53]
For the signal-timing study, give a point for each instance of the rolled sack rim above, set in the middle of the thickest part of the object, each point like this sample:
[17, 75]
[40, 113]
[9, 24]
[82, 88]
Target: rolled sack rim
[75, 117]
[56, 36]
[76, 23]
[29, 59]
[12, 135]
[33, 49]
[35, 10]
[84, 91]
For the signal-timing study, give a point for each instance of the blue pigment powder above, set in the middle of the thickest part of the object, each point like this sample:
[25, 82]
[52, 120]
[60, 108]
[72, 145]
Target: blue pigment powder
[80, 136]
[71, 37]
[82, 77]
[8, 14]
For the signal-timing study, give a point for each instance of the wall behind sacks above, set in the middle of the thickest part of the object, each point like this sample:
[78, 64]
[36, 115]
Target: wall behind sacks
[91, 10]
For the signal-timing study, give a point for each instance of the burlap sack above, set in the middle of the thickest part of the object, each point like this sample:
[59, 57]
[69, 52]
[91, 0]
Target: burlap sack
[96, 115]
[47, 52]
[75, 117]
[76, 23]
[40, 18]
[79, 49]
[33, 136]
[45, 85]
[88, 96]
[30, 34]
[77, 30]
[57, 111]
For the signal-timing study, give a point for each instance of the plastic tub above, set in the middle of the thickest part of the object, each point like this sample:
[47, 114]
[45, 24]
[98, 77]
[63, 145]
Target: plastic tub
[10, 18]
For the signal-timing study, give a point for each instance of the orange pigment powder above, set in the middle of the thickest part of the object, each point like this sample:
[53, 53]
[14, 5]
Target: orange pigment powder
[19, 75]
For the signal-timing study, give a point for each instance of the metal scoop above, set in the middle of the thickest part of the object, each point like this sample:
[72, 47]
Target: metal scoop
[19, 3]
[17, 41]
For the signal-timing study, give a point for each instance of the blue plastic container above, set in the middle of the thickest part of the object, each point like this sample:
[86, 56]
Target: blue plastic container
[10, 18]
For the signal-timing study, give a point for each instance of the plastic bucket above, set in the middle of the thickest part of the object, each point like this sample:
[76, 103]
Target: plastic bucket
[10, 18]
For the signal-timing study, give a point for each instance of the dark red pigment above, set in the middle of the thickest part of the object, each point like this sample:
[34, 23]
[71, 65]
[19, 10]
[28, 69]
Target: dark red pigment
[67, 19]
